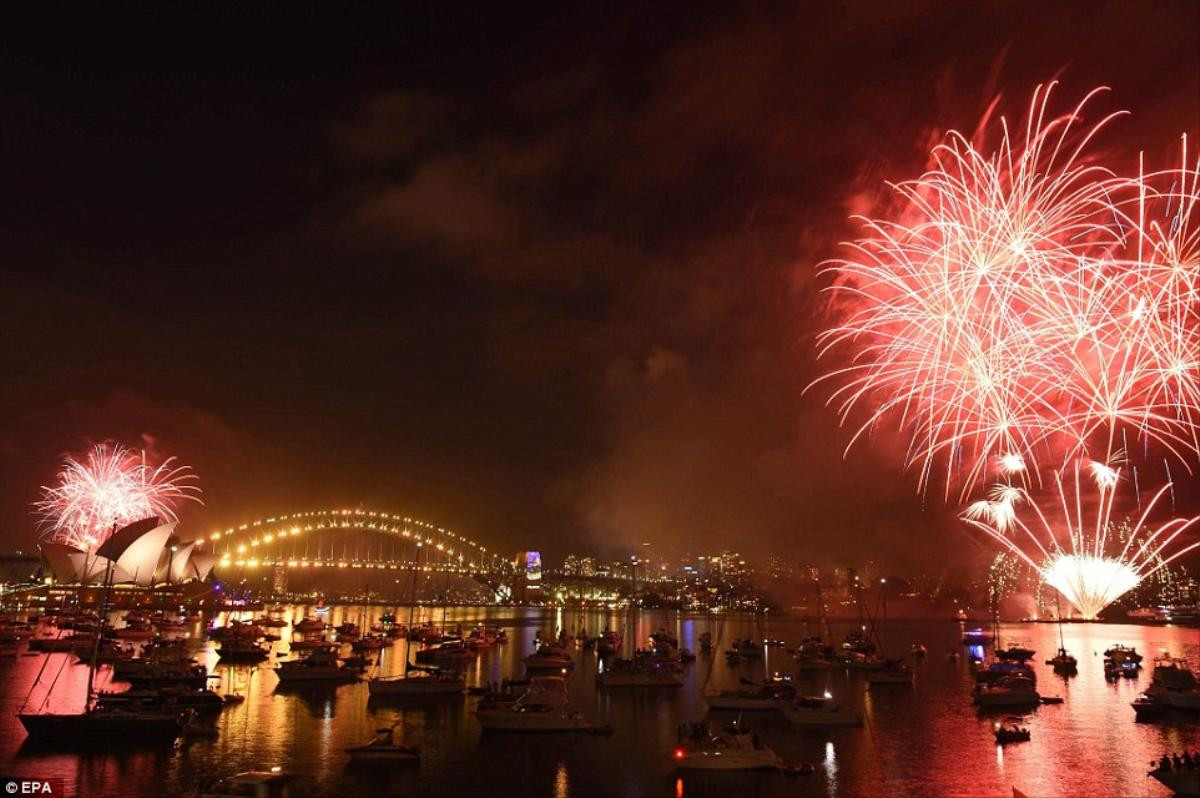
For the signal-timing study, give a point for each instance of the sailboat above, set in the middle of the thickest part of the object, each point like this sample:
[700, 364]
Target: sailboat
[894, 671]
[416, 680]
[1063, 663]
[99, 719]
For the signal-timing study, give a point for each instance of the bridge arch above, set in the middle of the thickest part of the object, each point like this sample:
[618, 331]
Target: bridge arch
[299, 540]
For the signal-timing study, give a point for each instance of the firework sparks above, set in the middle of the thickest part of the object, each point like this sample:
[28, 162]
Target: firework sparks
[1078, 550]
[1025, 303]
[1024, 310]
[112, 486]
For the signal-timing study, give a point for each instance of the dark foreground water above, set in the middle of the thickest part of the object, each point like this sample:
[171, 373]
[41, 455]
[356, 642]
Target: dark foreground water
[925, 740]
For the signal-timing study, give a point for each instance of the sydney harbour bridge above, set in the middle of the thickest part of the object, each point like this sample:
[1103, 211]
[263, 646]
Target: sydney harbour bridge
[376, 544]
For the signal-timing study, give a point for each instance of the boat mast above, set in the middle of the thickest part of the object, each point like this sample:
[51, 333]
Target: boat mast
[99, 632]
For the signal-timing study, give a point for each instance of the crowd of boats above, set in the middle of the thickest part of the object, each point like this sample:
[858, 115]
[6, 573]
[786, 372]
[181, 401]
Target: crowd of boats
[169, 694]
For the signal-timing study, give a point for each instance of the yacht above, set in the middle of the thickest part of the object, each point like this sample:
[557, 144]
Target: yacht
[858, 661]
[733, 748]
[105, 723]
[758, 698]
[383, 748]
[1015, 653]
[1120, 655]
[1008, 691]
[549, 658]
[1174, 684]
[252, 784]
[322, 665]
[544, 706]
[893, 672]
[639, 672]
[417, 682]
[309, 624]
[449, 650]
[242, 649]
[819, 710]
[1063, 662]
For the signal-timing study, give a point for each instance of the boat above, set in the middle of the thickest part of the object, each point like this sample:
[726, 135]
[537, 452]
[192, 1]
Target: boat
[240, 649]
[1146, 707]
[371, 642]
[1174, 684]
[732, 748]
[451, 649]
[322, 665]
[270, 621]
[609, 643]
[1179, 780]
[857, 661]
[1062, 662]
[549, 658]
[919, 649]
[1011, 733]
[99, 721]
[638, 672]
[417, 682]
[383, 748]
[998, 669]
[308, 624]
[252, 784]
[819, 710]
[754, 698]
[104, 724]
[543, 707]
[706, 642]
[1122, 654]
[1015, 653]
[975, 637]
[1008, 691]
[893, 672]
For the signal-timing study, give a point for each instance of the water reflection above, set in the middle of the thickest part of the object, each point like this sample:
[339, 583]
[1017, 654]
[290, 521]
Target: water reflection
[923, 740]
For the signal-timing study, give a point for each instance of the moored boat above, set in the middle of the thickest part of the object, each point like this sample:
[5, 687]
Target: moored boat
[543, 707]
[819, 711]
[732, 748]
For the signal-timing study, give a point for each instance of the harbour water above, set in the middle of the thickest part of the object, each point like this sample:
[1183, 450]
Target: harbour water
[919, 740]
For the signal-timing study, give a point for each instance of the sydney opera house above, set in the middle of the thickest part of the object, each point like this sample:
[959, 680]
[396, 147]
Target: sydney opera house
[146, 554]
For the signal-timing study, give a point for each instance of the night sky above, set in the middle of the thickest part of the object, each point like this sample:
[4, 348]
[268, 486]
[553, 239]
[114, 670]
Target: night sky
[547, 278]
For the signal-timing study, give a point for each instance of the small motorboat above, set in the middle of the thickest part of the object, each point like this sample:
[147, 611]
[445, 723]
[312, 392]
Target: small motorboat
[383, 748]
[733, 748]
[819, 711]
[1011, 733]
[1146, 707]
[1015, 653]
[273, 783]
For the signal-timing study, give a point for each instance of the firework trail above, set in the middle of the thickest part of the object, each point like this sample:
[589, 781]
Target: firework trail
[1077, 547]
[1023, 304]
[1028, 309]
[113, 486]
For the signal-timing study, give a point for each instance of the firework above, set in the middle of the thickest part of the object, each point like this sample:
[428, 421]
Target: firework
[111, 487]
[1026, 310]
[1025, 305]
[1078, 547]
